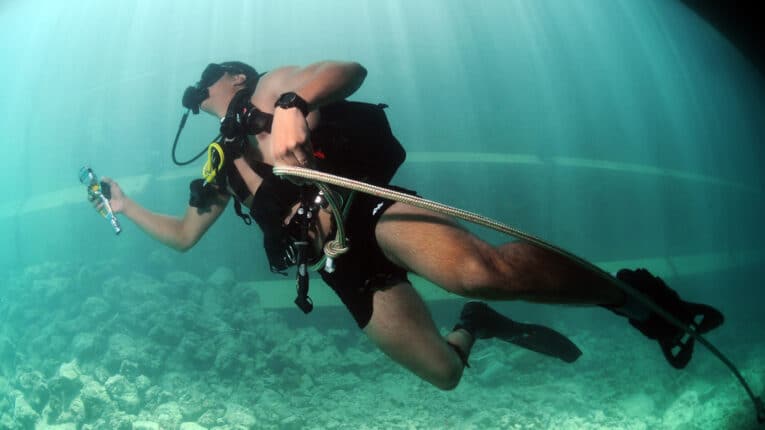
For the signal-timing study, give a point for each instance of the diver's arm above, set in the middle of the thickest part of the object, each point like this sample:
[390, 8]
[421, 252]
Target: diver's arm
[178, 233]
[318, 84]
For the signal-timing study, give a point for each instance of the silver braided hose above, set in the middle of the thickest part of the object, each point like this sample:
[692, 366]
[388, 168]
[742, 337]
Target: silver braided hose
[325, 178]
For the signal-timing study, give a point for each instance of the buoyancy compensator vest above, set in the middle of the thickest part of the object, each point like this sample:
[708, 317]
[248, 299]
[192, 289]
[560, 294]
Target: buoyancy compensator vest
[353, 140]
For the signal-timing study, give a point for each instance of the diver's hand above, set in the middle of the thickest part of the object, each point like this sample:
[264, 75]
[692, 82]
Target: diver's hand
[117, 202]
[290, 139]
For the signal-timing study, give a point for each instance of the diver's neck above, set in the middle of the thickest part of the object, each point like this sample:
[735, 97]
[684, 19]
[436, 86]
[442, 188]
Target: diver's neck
[221, 110]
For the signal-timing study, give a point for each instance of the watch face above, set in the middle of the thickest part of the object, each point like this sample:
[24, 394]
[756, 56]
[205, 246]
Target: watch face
[292, 100]
[287, 99]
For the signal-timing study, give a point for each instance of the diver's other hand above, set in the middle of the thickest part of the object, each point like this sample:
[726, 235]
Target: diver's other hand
[117, 201]
[290, 139]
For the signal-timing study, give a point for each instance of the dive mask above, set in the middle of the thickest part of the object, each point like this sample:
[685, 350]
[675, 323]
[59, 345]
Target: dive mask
[194, 96]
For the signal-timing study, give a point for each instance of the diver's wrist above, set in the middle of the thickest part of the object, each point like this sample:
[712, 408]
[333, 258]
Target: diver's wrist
[291, 100]
[127, 207]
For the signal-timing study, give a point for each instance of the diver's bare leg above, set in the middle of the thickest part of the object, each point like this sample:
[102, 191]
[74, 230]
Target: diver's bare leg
[402, 328]
[437, 248]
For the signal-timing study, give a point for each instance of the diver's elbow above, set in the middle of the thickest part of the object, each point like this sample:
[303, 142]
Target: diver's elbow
[359, 72]
[183, 245]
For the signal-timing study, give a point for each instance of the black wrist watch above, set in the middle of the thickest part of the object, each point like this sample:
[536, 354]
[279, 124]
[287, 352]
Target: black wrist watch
[292, 100]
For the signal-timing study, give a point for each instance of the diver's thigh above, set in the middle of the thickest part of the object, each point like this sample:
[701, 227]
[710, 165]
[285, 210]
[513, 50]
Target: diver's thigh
[431, 245]
[402, 327]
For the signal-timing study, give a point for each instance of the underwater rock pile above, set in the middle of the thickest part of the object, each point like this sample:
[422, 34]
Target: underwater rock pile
[106, 347]
[92, 350]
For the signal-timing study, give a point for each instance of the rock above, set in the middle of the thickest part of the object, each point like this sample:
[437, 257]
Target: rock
[66, 383]
[168, 415]
[146, 425]
[121, 347]
[222, 277]
[212, 418]
[493, 374]
[52, 410]
[161, 260]
[138, 288]
[213, 300]
[292, 422]
[94, 397]
[65, 426]
[181, 283]
[682, 410]
[191, 426]
[4, 388]
[100, 374]
[227, 362]
[51, 289]
[75, 413]
[69, 371]
[246, 294]
[196, 350]
[7, 356]
[64, 404]
[155, 396]
[84, 345]
[194, 401]
[124, 393]
[271, 397]
[164, 334]
[120, 421]
[98, 424]
[90, 277]
[35, 389]
[237, 415]
[23, 413]
[142, 383]
[129, 369]
[94, 308]
[639, 405]
[306, 382]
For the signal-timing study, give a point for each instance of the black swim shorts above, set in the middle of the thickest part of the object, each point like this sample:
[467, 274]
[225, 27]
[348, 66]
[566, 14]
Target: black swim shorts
[364, 269]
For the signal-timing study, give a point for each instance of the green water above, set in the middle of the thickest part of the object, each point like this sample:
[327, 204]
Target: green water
[628, 132]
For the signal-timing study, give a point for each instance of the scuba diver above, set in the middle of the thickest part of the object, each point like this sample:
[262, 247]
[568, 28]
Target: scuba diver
[299, 116]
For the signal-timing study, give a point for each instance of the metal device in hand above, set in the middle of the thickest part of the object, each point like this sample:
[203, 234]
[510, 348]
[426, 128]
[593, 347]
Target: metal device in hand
[100, 191]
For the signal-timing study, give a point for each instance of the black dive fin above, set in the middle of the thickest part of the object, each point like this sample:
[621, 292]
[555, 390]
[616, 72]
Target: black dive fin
[676, 344]
[483, 322]
[679, 350]
[543, 340]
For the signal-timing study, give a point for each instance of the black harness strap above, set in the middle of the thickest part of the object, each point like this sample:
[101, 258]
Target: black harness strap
[238, 209]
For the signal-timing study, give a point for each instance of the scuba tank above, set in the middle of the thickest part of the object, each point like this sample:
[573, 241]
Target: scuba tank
[100, 191]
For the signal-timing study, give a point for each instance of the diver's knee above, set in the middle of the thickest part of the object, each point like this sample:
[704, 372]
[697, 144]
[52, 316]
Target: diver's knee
[449, 380]
[448, 374]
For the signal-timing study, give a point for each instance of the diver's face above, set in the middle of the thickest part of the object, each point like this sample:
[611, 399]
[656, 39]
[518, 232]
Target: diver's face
[216, 92]
[221, 93]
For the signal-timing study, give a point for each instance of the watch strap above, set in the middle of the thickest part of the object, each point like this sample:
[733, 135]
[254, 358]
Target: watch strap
[292, 100]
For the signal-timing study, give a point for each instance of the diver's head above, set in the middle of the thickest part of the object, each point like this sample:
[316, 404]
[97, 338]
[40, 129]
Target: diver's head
[218, 84]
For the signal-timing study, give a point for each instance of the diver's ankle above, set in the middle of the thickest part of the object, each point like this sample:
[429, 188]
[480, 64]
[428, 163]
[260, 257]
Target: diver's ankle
[630, 308]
